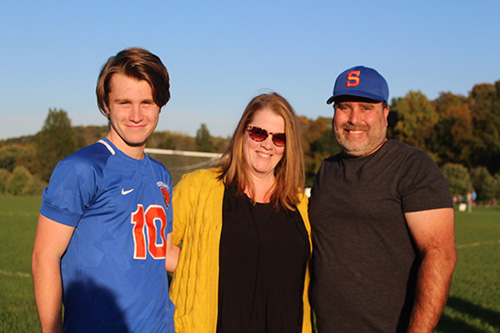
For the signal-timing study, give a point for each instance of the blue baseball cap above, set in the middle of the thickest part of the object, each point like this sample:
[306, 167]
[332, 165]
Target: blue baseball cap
[362, 82]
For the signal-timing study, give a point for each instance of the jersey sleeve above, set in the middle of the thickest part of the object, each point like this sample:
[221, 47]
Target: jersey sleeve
[71, 188]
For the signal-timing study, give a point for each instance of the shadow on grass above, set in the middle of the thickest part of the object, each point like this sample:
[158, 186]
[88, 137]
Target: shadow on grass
[448, 324]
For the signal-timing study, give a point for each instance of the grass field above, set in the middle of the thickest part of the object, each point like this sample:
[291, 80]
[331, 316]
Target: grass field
[474, 301]
[18, 216]
[473, 305]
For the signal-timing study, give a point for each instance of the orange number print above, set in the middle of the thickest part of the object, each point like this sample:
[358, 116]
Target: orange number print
[154, 215]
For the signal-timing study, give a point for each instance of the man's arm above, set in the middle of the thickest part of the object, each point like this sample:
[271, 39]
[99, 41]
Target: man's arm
[434, 235]
[51, 240]
[172, 257]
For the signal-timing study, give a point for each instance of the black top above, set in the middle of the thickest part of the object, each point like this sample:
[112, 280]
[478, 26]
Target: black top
[364, 260]
[263, 258]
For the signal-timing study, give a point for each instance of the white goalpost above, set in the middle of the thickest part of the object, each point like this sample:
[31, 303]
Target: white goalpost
[180, 162]
[182, 153]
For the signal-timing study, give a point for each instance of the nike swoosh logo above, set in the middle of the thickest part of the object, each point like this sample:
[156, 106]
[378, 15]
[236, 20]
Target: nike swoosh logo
[126, 192]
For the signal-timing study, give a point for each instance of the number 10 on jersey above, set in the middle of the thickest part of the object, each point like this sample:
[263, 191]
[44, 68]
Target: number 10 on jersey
[153, 217]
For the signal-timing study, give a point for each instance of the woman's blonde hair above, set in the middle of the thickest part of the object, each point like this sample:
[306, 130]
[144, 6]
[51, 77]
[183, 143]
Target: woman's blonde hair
[289, 172]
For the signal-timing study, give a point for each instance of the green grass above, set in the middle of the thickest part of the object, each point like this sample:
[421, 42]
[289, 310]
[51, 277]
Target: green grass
[18, 216]
[473, 304]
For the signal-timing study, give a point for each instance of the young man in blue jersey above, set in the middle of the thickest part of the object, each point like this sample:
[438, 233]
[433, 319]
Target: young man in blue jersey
[103, 240]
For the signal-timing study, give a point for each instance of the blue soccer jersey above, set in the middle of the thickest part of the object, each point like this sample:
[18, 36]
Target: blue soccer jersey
[113, 272]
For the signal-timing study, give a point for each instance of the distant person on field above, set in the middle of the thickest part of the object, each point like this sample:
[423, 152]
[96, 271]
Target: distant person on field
[469, 201]
[382, 222]
[103, 238]
[244, 230]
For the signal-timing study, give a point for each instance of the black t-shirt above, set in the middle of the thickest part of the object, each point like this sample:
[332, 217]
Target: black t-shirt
[262, 265]
[364, 260]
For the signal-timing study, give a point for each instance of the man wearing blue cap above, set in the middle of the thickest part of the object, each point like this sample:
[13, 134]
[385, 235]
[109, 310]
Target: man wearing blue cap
[382, 222]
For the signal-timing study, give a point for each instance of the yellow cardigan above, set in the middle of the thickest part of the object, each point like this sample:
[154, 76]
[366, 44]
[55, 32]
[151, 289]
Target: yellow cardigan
[197, 202]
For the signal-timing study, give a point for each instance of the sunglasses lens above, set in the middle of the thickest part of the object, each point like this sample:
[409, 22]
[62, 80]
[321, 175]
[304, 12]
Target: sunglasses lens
[258, 134]
[279, 139]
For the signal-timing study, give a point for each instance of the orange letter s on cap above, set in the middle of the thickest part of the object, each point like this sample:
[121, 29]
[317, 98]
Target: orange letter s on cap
[352, 79]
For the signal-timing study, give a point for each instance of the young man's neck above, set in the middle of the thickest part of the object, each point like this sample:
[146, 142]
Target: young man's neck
[133, 151]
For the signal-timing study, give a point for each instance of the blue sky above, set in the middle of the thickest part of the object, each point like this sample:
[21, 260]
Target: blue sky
[220, 54]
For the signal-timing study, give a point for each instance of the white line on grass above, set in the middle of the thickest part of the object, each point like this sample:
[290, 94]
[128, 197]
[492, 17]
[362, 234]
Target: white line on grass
[19, 274]
[461, 246]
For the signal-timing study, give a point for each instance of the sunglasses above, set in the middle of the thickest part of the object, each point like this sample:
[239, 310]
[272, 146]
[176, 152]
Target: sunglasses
[259, 134]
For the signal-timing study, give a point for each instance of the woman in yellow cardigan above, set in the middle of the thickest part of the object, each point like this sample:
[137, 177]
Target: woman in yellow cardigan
[245, 232]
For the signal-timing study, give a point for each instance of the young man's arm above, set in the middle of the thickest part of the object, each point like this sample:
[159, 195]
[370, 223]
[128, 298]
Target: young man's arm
[434, 235]
[51, 240]
[173, 252]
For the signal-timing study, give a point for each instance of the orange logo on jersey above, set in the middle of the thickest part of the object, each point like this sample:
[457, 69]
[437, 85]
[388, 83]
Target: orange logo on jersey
[166, 196]
[352, 78]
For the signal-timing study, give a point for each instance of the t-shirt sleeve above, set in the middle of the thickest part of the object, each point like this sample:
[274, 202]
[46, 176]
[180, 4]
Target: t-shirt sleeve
[71, 188]
[424, 186]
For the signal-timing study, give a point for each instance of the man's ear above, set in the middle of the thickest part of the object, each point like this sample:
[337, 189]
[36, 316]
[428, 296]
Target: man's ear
[386, 114]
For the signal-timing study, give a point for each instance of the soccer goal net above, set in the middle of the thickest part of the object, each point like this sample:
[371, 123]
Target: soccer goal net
[179, 162]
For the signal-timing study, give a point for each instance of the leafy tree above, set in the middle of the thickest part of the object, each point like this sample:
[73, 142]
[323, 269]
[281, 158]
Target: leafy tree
[34, 186]
[56, 140]
[220, 143]
[9, 155]
[483, 183]
[28, 158]
[181, 141]
[393, 118]
[4, 176]
[203, 140]
[155, 139]
[415, 121]
[15, 154]
[17, 180]
[167, 141]
[176, 141]
[497, 186]
[318, 143]
[88, 135]
[452, 139]
[485, 106]
[458, 178]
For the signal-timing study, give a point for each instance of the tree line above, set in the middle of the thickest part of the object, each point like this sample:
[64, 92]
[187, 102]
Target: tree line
[461, 133]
